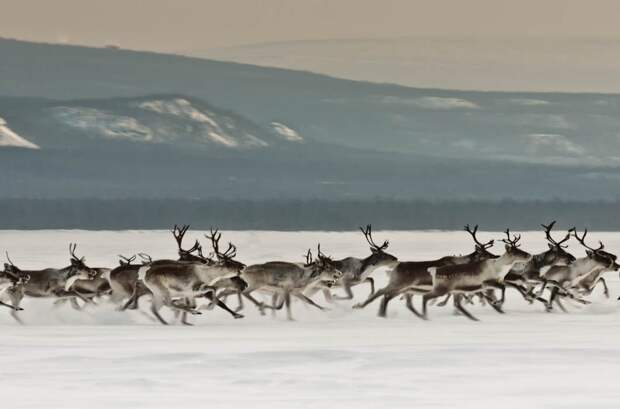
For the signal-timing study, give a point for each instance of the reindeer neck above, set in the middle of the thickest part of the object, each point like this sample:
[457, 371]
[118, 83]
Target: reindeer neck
[500, 262]
[584, 264]
[366, 266]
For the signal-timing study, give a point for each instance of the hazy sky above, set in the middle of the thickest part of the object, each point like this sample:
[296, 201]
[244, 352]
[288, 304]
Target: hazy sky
[201, 24]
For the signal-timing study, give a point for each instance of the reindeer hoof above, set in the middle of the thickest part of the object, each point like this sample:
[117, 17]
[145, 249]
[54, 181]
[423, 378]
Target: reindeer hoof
[358, 306]
[237, 316]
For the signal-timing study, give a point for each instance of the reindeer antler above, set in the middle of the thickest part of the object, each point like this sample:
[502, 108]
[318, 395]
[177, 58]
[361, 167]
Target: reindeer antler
[215, 237]
[9, 259]
[473, 235]
[309, 259]
[145, 258]
[127, 260]
[582, 239]
[550, 239]
[512, 242]
[179, 233]
[368, 235]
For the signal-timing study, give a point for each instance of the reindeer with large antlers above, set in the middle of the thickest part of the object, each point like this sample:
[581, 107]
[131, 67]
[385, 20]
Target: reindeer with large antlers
[569, 277]
[475, 277]
[176, 284]
[412, 277]
[286, 279]
[358, 270]
[524, 275]
[124, 279]
[50, 282]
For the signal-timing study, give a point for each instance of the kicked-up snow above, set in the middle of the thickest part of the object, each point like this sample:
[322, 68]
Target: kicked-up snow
[341, 358]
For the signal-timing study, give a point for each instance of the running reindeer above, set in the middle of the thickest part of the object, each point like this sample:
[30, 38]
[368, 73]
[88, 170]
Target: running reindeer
[11, 278]
[412, 277]
[585, 272]
[475, 277]
[124, 279]
[177, 284]
[525, 276]
[285, 279]
[356, 271]
[50, 282]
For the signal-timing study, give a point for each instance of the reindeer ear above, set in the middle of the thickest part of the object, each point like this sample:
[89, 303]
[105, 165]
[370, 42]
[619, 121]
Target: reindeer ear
[589, 253]
[551, 246]
[507, 247]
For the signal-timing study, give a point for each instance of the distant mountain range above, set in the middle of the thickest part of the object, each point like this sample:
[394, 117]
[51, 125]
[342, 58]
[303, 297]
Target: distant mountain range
[86, 122]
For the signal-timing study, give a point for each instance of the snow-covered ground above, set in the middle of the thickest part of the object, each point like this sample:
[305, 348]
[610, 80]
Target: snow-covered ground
[341, 358]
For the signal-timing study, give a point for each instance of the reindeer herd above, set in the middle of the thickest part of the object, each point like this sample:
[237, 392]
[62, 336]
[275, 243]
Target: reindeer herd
[195, 281]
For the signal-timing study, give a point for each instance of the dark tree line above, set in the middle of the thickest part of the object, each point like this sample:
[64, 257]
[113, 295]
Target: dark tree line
[301, 214]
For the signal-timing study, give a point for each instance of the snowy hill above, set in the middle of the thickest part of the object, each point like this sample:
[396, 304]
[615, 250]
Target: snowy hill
[161, 119]
[119, 123]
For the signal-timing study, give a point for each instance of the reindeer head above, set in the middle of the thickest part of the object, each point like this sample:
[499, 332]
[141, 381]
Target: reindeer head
[78, 269]
[323, 268]
[225, 259]
[379, 257]
[481, 251]
[12, 275]
[601, 257]
[556, 253]
[513, 252]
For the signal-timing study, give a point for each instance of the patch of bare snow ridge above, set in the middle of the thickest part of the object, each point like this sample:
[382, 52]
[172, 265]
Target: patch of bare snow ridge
[8, 137]
[106, 124]
[215, 131]
[439, 103]
[288, 133]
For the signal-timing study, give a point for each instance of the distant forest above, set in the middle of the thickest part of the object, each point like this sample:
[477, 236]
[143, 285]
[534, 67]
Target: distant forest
[97, 214]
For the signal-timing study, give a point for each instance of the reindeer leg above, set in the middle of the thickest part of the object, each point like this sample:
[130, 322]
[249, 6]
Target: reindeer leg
[444, 301]
[74, 304]
[384, 303]
[370, 299]
[409, 298]
[12, 307]
[544, 285]
[493, 302]
[605, 289]
[490, 296]
[371, 281]
[287, 302]
[309, 301]
[436, 292]
[557, 301]
[16, 299]
[459, 306]
[222, 305]
[156, 305]
[223, 295]
[184, 320]
[260, 305]
[275, 306]
[328, 295]
[133, 300]
[239, 302]
[346, 285]
[521, 289]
